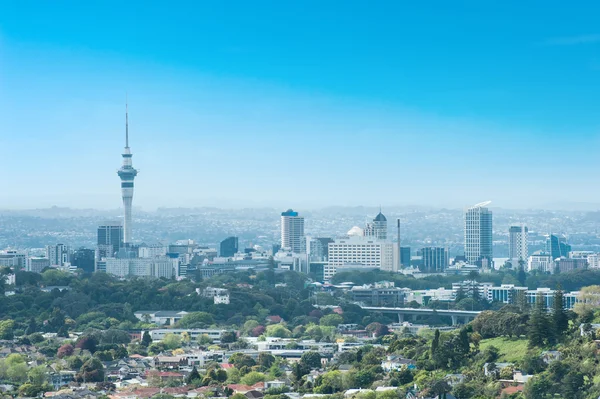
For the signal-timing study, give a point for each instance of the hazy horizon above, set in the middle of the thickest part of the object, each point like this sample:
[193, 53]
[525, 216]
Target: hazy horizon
[273, 104]
[562, 207]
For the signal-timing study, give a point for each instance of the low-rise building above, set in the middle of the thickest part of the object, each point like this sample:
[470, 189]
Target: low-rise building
[194, 333]
[160, 317]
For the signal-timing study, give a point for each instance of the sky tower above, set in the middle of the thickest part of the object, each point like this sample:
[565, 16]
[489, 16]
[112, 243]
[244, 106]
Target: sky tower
[127, 173]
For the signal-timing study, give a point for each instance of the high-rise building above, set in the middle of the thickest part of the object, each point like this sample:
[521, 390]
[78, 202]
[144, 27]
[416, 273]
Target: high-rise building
[517, 245]
[110, 239]
[58, 254]
[12, 258]
[478, 235]
[435, 259]
[36, 264]
[557, 246]
[380, 226]
[228, 247]
[377, 228]
[83, 258]
[317, 248]
[276, 248]
[292, 231]
[127, 173]
[405, 256]
[360, 251]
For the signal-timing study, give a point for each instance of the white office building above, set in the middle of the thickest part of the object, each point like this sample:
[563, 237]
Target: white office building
[12, 258]
[517, 244]
[153, 250]
[357, 249]
[291, 261]
[593, 261]
[478, 235]
[541, 261]
[292, 231]
[143, 267]
[36, 264]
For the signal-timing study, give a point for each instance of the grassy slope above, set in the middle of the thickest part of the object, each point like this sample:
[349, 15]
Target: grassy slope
[511, 350]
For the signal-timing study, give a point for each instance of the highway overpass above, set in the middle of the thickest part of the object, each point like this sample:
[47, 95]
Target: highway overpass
[457, 316]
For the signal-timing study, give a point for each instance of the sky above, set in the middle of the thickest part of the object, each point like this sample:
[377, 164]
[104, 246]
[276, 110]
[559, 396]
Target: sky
[300, 104]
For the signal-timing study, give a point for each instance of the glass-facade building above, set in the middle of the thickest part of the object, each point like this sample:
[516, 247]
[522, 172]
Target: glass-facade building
[478, 235]
[228, 247]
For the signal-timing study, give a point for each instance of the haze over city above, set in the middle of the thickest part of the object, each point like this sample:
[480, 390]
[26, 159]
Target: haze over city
[311, 105]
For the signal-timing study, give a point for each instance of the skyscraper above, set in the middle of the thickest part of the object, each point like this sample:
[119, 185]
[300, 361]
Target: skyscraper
[517, 244]
[228, 247]
[435, 259]
[292, 231]
[83, 258]
[58, 254]
[557, 246]
[380, 226]
[110, 239]
[478, 234]
[127, 173]
[405, 256]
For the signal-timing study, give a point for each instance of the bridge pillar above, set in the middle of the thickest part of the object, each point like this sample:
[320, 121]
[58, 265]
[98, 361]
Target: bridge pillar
[400, 317]
[454, 319]
[414, 317]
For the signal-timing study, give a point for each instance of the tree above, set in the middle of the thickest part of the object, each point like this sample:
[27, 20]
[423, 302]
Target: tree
[114, 336]
[265, 360]
[460, 294]
[330, 382]
[311, 360]
[538, 324]
[331, 320]
[6, 329]
[31, 326]
[172, 341]
[146, 339]
[65, 350]
[401, 377]
[439, 388]
[378, 329]
[91, 371]
[258, 331]
[87, 343]
[464, 344]
[196, 320]
[31, 390]
[588, 300]
[228, 337]
[193, 376]
[37, 375]
[252, 378]
[278, 330]
[521, 300]
[248, 326]
[204, 339]
[521, 274]
[240, 360]
[17, 372]
[435, 343]
[560, 320]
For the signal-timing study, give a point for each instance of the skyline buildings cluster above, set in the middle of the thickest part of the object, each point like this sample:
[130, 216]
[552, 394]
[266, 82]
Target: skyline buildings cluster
[366, 248]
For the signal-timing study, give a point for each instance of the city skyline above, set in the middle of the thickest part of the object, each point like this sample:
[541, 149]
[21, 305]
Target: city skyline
[199, 103]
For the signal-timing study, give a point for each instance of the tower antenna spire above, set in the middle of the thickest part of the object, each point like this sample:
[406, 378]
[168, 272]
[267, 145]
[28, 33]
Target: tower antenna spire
[126, 121]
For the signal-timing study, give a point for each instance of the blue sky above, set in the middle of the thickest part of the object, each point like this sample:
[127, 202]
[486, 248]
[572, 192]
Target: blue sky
[300, 104]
